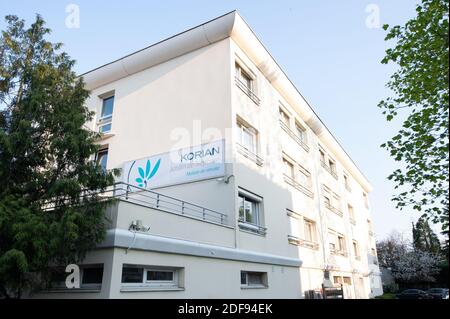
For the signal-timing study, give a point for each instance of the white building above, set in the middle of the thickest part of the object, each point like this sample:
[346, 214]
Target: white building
[277, 199]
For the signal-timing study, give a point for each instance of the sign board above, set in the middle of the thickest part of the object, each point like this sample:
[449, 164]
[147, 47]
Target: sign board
[177, 167]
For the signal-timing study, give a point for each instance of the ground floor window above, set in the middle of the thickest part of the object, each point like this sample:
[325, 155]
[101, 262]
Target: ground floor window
[90, 277]
[252, 279]
[150, 276]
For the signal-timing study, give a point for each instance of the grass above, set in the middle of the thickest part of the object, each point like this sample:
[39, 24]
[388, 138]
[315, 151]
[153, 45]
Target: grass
[387, 295]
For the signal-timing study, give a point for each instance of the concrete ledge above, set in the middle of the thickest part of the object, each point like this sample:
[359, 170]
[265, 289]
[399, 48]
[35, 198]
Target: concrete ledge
[121, 238]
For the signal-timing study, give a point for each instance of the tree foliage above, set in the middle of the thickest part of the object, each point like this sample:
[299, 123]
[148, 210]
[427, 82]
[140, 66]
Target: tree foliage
[45, 159]
[420, 88]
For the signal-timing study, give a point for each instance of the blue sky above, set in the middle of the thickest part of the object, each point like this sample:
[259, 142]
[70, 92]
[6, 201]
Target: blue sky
[324, 47]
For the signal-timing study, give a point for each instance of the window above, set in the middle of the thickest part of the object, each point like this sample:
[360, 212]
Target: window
[337, 280]
[251, 279]
[247, 141]
[150, 277]
[244, 77]
[246, 136]
[332, 166]
[304, 177]
[332, 200]
[327, 201]
[104, 122]
[373, 251]
[356, 249]
[369, 227]
[92, 275]
[132, 275]
[102, 158]
[250, 212]
[366, 200]
[332, 242]
[310, 230]
[284, 118]
[288, 169]
[322, 156]
[347, 183]
[300, 131]
[351, 214]
[341, 243]
[347, 280]
[246, 82]
[337, 243]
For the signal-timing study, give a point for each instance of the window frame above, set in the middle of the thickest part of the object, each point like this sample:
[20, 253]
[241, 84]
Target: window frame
[247, 285]
[256, 227]
[105, 120]
[98, 157]
[153, 284]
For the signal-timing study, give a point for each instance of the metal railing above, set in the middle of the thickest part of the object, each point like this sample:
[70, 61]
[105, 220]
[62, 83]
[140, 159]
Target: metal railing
[294, 136]
[250, 227]
[298, 186]
[335, 210]
[151, 199]
[249, 154]
[247, 91]
[328, 169]
[303, 242]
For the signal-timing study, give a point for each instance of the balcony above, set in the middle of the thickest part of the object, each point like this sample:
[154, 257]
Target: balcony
[244, 88]
[335, 210]
[294, 136]
[249, 154]
[168, 204]
[303, 242]
[289, 180]
[329, 169]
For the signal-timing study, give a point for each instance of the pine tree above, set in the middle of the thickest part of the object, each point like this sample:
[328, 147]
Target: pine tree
[424, 238]
[45, 157]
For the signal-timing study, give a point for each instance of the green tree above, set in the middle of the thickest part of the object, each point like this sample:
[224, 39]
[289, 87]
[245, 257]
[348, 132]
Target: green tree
[50, 213]
[420, 88]
[424, 238]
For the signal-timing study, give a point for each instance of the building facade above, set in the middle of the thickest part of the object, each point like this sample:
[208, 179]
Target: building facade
[231, 186]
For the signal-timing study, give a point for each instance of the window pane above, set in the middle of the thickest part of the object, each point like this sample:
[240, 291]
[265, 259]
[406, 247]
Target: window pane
[308, 231]
[248, 208]
[241, 208]
[248, 140]
[243, 278]
[132, 275]
[108, 105]
[159, 275]
[93, 275]
[300, 132]
[105, 128]
[255, 278]
[102, 159]
[246, 79]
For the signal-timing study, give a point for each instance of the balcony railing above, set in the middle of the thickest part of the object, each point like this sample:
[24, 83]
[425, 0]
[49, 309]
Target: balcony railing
[294, 136]
[147, 198]
[249, 154]
[328, 169]
[253, 228]
[335, 210]
[247, 91]
[342, 253]
[298, 186]
[303, 242]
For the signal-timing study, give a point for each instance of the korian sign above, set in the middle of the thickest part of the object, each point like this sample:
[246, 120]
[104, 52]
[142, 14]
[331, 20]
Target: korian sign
[177, 167]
